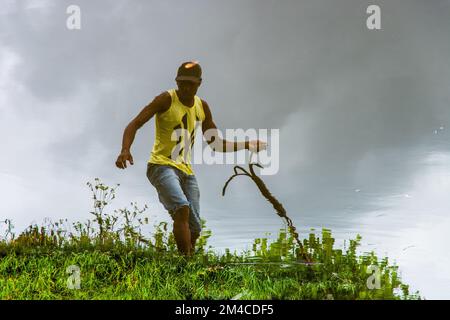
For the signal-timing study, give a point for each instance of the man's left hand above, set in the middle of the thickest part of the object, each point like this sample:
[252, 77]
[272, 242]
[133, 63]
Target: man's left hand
[256, 145]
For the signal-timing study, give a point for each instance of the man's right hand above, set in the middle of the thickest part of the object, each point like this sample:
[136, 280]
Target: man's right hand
[121, 161]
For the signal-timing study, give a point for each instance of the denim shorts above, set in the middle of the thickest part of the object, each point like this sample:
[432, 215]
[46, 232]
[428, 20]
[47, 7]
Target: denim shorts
[176, 189]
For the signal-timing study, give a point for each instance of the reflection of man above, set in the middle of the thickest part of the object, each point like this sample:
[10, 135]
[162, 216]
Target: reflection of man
[174, 179]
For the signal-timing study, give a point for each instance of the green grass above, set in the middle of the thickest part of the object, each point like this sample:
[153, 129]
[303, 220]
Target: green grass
[117, 262]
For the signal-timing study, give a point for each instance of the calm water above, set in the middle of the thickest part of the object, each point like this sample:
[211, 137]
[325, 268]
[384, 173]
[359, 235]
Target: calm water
[409, 225]
[406, 219]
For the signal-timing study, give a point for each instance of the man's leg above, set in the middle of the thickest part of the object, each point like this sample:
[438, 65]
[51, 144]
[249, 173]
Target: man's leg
[194, 237]
[166, 180]
[181, 230]
[192, 192]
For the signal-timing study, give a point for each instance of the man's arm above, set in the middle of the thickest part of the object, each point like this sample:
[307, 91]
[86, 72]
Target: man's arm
[159, 104]
[211, 134]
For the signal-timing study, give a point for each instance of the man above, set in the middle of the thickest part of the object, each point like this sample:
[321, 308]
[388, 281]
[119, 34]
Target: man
[168, 168]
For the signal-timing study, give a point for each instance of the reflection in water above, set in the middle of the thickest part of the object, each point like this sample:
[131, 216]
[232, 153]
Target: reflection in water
[409, 224]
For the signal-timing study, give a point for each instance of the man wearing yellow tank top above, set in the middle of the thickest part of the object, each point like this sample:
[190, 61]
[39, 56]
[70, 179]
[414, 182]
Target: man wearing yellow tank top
[177, 111]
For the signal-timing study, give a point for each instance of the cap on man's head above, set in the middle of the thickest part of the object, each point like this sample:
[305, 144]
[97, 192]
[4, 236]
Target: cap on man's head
[191, 71]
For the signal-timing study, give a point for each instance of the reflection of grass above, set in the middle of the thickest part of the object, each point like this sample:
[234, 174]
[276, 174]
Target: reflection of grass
[116, 262]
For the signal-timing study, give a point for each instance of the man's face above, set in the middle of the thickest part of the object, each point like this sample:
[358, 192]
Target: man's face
[187, 88]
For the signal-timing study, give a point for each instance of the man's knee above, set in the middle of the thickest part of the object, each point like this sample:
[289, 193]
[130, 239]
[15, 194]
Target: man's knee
[181, 215]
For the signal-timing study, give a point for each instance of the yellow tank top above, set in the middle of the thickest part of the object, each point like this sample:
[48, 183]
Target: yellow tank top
[175, 132]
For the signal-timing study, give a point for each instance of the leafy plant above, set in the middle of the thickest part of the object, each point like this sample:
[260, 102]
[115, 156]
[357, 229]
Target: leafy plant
[118, 262]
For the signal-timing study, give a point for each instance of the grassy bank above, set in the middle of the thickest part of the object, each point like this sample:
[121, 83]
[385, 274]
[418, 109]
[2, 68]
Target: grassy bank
[113, 260]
